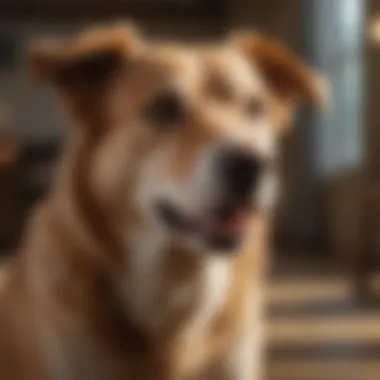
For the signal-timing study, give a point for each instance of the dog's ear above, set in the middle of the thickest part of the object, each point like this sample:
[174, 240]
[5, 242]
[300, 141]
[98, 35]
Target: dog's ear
[289, 77]
[87, 60]
[86, 69]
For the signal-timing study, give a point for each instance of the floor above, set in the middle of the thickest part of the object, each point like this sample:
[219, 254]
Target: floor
[317, 331]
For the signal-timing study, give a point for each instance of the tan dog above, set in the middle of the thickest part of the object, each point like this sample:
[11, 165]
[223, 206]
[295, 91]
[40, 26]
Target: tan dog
[145, 260]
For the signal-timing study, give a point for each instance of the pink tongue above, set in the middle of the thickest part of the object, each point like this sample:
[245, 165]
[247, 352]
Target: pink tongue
[232, 226]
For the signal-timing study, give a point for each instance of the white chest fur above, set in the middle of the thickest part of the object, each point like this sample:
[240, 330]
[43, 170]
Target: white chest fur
[148, 282]
[215, 281]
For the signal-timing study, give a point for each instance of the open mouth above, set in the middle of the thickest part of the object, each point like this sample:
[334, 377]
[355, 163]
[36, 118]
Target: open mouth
[221, 230]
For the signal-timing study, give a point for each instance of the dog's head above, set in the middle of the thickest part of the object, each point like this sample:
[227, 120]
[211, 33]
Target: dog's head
[185, 136]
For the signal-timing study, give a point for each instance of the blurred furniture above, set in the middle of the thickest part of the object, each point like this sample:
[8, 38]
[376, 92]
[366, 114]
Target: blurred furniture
[345, 204]
[25, 175]
[354, 226]
[135, 9]
[10, 192]
[367, 259]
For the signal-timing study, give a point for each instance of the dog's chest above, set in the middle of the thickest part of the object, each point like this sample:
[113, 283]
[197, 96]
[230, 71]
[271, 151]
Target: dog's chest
[164, 284]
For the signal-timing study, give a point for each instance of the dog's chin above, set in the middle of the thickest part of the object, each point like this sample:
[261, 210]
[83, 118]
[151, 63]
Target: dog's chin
[221, 232]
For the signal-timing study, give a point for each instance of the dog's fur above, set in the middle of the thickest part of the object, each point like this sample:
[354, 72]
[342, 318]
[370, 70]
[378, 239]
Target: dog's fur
[101, 289]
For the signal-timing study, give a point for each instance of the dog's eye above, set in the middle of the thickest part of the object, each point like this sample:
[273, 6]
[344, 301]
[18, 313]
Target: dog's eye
[256, 107]
[166, 108]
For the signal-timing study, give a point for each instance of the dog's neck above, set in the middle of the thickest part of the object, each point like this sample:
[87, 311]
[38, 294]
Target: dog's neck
[169, 282]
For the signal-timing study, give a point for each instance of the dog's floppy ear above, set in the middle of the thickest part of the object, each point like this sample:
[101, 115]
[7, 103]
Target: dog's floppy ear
[89, 59]
[86, 69]
[290, 78]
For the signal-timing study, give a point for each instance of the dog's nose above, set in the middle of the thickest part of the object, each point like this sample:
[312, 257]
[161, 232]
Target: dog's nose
[240, 171]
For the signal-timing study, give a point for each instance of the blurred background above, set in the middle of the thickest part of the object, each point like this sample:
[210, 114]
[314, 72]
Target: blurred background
[323, 315]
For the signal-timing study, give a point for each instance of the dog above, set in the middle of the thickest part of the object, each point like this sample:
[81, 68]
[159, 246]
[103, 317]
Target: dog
[146, 258]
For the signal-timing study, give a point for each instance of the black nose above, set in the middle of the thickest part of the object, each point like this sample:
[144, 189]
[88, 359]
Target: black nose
[240, 171]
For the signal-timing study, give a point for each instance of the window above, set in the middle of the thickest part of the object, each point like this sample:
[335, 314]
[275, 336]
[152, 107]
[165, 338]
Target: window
[338, 51]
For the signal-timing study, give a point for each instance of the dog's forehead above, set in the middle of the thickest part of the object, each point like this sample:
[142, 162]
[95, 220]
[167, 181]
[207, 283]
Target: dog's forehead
[171, 63]
[228, 63]
[191, 65]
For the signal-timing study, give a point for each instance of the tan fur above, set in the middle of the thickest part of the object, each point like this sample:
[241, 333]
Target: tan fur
[64, 287]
